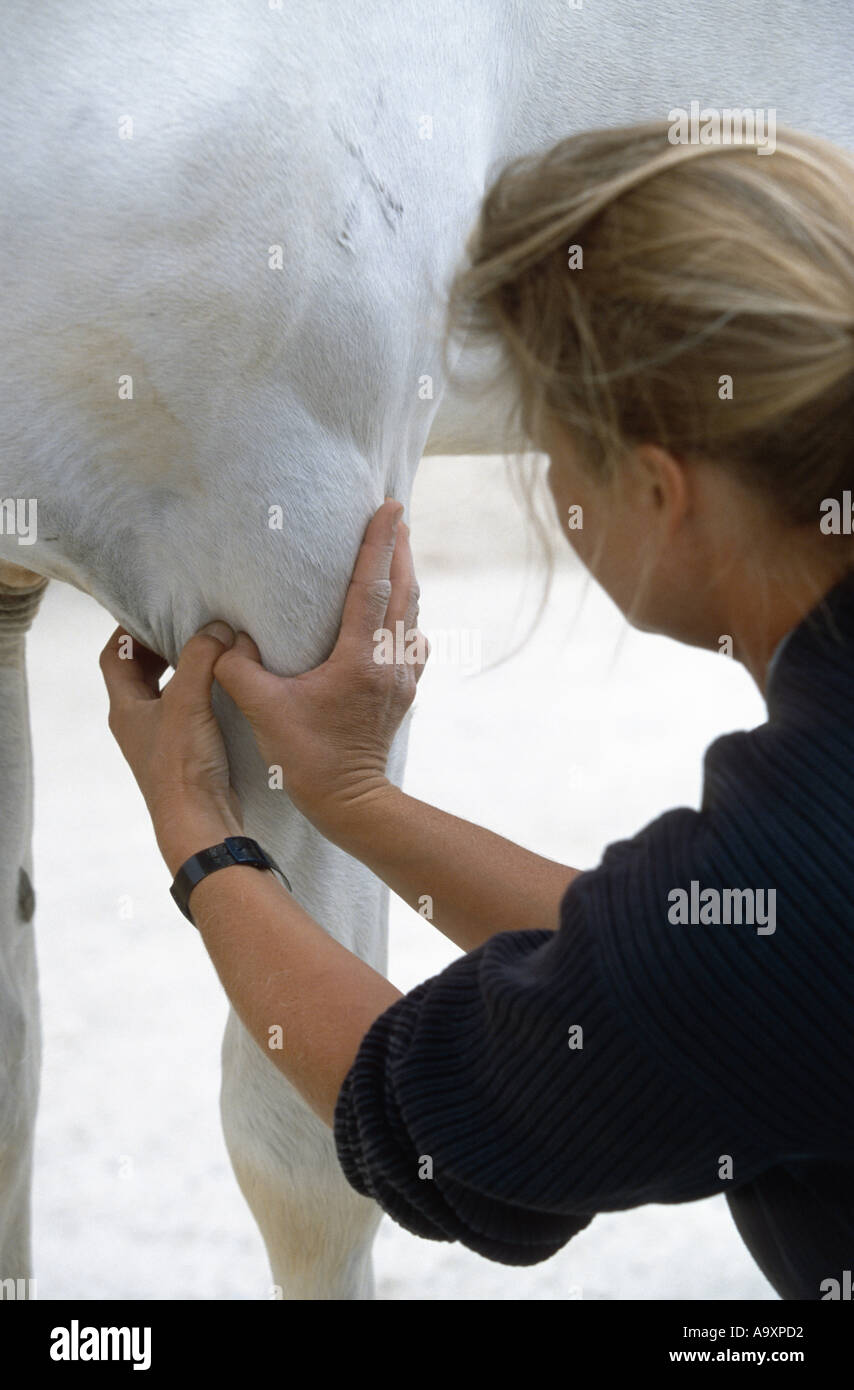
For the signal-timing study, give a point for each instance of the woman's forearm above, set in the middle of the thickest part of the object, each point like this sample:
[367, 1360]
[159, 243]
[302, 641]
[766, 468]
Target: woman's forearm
[305, 999]
[469, 882]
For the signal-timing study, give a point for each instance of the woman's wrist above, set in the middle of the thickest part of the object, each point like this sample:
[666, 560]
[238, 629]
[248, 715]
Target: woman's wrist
[186, 831]
[349, 819]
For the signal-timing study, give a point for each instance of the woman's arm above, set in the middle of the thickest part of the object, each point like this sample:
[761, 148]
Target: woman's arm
[306, 1000]
[469, 882]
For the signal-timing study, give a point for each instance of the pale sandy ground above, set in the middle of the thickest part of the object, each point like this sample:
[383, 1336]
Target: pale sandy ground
[582, 738]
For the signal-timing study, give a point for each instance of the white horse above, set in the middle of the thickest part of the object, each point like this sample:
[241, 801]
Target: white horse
[226, 232]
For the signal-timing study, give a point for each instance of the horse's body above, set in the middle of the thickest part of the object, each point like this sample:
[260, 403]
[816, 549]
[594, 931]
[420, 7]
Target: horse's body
[142, 257]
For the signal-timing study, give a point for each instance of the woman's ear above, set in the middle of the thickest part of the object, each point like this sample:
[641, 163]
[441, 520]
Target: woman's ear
[663, 484]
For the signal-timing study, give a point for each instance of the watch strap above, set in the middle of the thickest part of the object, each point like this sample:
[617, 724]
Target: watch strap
[234, 849]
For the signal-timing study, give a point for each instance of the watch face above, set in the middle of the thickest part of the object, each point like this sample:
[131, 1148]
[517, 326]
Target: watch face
[245, 851]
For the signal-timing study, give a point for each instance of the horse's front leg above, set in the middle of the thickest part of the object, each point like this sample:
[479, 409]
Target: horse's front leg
[318, 1231]
[20, 1041]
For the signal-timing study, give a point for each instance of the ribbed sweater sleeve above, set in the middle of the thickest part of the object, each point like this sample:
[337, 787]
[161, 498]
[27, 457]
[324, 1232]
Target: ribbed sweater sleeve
[524, 1126]
[475, 1110]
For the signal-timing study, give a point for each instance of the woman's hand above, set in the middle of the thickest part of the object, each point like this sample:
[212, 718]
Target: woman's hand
[172, 741]
[330, 729]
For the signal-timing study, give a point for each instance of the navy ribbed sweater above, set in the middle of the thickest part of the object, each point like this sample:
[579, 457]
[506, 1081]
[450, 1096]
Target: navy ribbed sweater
[714, 1057]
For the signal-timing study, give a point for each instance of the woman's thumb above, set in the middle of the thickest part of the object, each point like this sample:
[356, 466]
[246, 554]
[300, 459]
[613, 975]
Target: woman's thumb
[194, 673]
[241, 675]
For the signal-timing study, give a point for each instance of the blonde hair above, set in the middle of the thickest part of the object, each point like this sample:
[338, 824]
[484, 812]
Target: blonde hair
[698, 263]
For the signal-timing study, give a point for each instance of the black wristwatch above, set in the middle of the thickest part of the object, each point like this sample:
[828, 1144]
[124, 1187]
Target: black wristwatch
[235, 849]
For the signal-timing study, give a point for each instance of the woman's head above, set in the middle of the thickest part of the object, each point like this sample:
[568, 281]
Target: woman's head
[676, 317]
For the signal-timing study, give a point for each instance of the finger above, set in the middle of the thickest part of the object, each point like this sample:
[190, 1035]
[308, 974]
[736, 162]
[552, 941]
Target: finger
[194, 675]
[370, 587]
[130, 670]
[403, 604]
[242, 676]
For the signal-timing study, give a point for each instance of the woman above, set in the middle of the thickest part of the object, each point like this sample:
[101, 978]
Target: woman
[676, 1022]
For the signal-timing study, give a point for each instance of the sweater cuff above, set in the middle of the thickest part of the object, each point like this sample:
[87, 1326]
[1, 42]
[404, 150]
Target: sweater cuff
[381, 1159]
